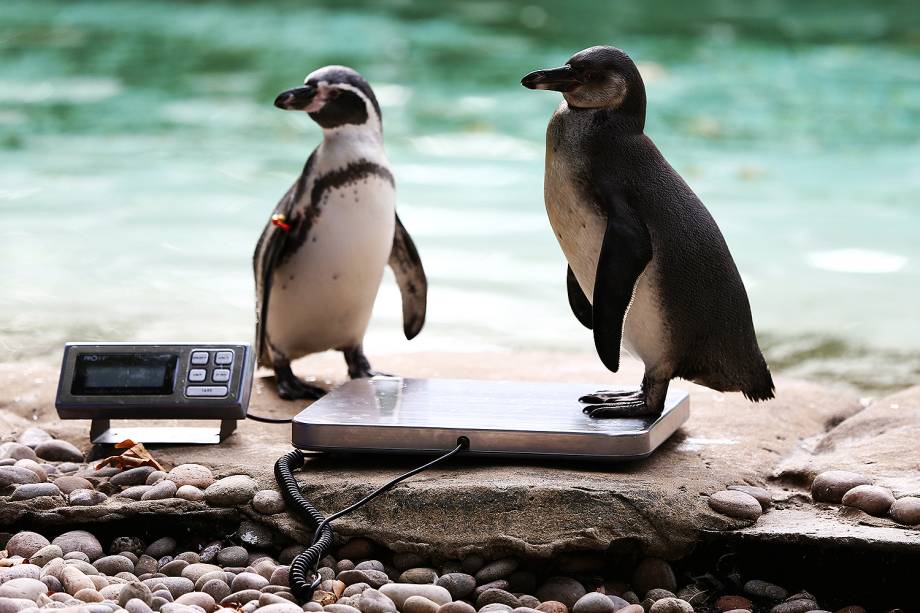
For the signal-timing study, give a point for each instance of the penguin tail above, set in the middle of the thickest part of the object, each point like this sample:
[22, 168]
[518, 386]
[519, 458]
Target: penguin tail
[762, 388]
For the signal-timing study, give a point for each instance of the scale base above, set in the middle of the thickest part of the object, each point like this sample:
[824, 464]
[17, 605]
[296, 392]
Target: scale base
[101, 432]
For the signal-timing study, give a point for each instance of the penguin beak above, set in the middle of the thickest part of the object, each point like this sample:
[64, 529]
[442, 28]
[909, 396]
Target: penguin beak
[297, 99]
[560, 79]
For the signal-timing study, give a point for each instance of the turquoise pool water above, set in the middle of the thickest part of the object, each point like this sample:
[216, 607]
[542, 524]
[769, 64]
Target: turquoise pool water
[140, 155]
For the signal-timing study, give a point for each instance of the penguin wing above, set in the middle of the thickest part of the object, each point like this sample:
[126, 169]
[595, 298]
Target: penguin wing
[578, 301]
[410, 276]
[626, 251]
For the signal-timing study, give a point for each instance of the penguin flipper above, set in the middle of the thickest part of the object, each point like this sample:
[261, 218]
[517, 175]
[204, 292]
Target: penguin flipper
[410, 276]
[626, 251]
[578, 301]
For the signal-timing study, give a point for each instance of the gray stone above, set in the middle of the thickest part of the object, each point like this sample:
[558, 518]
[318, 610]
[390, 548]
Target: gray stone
[16, 451]
[173, 568]
[460, 585]
[499, 569]
[190, 492]
[132, 476]
[419, 604]
[135, 492]
[494, 595]
[281, 608]
[798, 605]
[191, 474]
[268, 502]
[154, 477]
[241, 597]
[85, 498]
[906, 510]
[30, 571]
[70, 483]
[871, 499]
[231, 491]
[33, 437]
[248, 581]
[34, 466]
[594, 602]
[365, 565]
[145, 564]
[255, 534]
[23, 587]
[737, 504]
[562, 589]
[198, 599]
[831, 485]
[233, 556]
[340, 608]
[36, 490]
[764, 589]
[161, 547]
[760, 494]
[495, 607]
[671, 605]
[16, 475]
[419, 575]
[399, 592]
[161, 491]
[79, 540]
[216, 589]
[653, 573]
[114, 564]
[281, 576]
[501, 584]
[136, 605]
[373, 578]
[372, 601]
[58, 451]
[456, 607]
[176, 585]
[45, 555]
[25, 543]
[355, 589]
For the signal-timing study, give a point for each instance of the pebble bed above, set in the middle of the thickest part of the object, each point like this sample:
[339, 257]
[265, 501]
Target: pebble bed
[79, 572]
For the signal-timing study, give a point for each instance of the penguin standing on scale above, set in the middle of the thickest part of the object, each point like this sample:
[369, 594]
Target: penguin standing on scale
[320, 260]
[647, 263]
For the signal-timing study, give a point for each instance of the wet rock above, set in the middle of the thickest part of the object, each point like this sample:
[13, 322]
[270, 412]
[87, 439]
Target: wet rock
[161, 547]
[460, 585]
[132, 476]
[764, 589]
[16, 451]
[114, 564]
[419, 604]
[58, 451]
[904, 510]
[16, 475]
[25, 544]
[499, 569]
[231, 491]
[161, 491]
[191, 474]
[23, 587]
[760, 494]
[356, 549]
[419, 575]
[190, 492]
[79, 540]
[735, 504]
[562, 589]
[831, 485]
[671, 605]
[373, 578]
[33, 437]
[268, 502]
[255, 534]
[871, 499]
[494, 595]
[593, 602]
[85, 498]
[399, 592]
[69, 483]
[653, 573]
[35, 490]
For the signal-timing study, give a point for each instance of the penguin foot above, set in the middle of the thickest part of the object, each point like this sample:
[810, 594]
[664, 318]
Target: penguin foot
[608, 405]
[295, 389]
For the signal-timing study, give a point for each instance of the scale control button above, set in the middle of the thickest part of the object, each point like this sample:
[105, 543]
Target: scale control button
[206, 390]
[197, 374]
[221, 375]
[200, 357]
[223, 357]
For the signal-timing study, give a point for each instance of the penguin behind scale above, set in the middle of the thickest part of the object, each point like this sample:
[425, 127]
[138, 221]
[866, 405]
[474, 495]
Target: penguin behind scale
[320, 259]
[648, 265]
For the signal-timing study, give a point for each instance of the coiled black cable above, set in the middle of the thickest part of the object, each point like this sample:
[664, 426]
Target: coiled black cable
[305, 564]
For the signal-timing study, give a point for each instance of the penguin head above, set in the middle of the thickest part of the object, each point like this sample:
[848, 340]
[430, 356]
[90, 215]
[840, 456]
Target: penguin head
[598, 77]
[334, 96]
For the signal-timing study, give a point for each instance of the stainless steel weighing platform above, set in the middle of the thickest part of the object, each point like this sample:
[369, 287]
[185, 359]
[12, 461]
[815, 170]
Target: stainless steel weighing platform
[500, 418]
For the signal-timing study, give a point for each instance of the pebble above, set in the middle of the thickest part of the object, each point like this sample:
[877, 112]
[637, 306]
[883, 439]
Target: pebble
[33, 437]
[418, 575]
[16, 475]
[58, 451]
[241, 597]
[25, 544]
[795, 606]
[906, 510]
[29, 491]
[190, 492]
[372, 601]
[653, 573]
[176, 585]
[197, 570]
[456, 607]
[173, 568]
[472, 563]
[734, 503]
[191, 474]
[528, 601]
[17, 451]
[73, 580]
[85, 498]
[132, 476]
[34, 466]
[45, 555]
[135, 492]
[418, 604]
[79, 541]
[499, 569]
[365, 565]
[23, 587]
[830, 486]
[231, 491]
[552, 606]
[764, 589]
[77, 555]
[459, 585]
[233, 556]
[501, 584]
[161, 547]
[357, 549]
[161, 491]
[593, 602]
[281, 576]
[373, 578]
[281, 608]
[69, 483]
[760, 494]
[255, 534]
[494, 595]
[248, 581]
[340, 608]
[731, 603]
[872, 499]
[216, 589]
[399, 592]
[88, 595]
[268, 502]
[561, 589]
[496, 607]
[671, 605]
[198, 599]
[137, 606]
[114, 564]
[134, 590]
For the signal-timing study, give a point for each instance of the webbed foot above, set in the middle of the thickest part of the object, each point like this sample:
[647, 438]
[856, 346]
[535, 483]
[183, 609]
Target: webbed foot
[608, 405]
[290, 387]
[358, 366]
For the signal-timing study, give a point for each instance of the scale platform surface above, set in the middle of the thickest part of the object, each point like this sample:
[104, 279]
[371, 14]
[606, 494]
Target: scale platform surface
[500, 418]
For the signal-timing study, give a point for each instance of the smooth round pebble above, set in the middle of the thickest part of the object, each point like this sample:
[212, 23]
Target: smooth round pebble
[831, 485]
[653, 573]
[114, 564]
[233, 556]
[366, 565]
[459, 585]
[231, 491]
[760, 494]
[46, 554]
[399, 592]
[494, 595]
[372, 601]
[161, 547]
[737, 504]
[418, 575]
[248, 581]
[161, 491]
[132, 476]
[499, 569]
[906, 510]
[23, 587]
[154, 477]
[191, 474]
[552, 606]
[190, 492]
[135, 492]
[58, 451]
[593, 602]
[418, 604]
[25, 544]
[373, 578]
[135, 605]
[216, 589]
[268, 502]
[797, 605]
[871, 499]
[79, 541]
[197, 570]
[456, 607]
[765, 589]
[198, 599]
[732, 602]
[671, 605]
[69, 483]
[28, 491]
[562, 589]
[33, 437]
[85, 498]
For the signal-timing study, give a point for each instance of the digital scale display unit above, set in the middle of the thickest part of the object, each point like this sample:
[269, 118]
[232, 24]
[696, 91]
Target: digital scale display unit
[105, 381]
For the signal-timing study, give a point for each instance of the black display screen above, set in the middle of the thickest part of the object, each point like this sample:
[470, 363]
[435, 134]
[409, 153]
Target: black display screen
[124, 374]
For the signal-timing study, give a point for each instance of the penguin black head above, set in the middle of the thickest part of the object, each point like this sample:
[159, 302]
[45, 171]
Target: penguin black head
[598, 77]
[334, 96]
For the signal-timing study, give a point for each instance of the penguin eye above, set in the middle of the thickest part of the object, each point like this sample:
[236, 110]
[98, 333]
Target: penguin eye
[332, 94]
